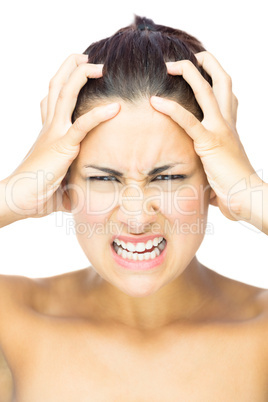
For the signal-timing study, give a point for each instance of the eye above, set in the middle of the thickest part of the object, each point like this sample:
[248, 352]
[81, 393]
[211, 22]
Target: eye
[170, 177]
[102, 178]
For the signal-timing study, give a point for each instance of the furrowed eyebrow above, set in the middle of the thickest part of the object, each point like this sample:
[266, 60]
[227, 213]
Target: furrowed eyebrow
[105, 169]
[120, 174]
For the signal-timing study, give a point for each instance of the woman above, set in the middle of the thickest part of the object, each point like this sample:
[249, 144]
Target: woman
[146, 321]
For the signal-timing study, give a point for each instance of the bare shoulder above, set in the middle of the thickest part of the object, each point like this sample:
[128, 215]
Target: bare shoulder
[9, 283]
[240, 294]
[260, 325]
[14, 291]
[262, 302]
[15, 296]
[6, 380]
[246, 304]
[22, 290]
[20, 298]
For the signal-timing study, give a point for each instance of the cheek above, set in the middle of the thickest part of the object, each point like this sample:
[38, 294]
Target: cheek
[186, 211]
[187, 201]
[90, 227]
[92, 206]
[98, 206]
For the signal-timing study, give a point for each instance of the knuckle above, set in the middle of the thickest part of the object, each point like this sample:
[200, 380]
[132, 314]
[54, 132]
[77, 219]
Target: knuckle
[83, 69]
[186, 63]
[206, 53]
[173, 108]
[201, 56]
[67, 92]
[78, 125]
[62, 148]
[52, 83]
[189, 119]
[206, 87]
[73, 55]
[88, 69]
[235, 100]
[62, 93]
[228, 80]
[43, 102]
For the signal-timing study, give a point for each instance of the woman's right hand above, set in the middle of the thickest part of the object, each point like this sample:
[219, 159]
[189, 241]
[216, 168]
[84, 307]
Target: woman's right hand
[34, 189]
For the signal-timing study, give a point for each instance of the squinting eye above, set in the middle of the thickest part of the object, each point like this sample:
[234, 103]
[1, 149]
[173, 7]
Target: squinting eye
[170, 177]
[102, 178]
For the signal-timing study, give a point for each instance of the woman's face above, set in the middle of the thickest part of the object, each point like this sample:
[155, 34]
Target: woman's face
[135, 204]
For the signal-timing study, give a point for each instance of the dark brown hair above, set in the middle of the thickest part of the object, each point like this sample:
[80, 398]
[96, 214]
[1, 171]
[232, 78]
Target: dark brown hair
[134, 66]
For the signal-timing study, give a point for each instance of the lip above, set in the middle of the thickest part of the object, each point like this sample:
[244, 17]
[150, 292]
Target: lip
[145, 265]
[136, 240]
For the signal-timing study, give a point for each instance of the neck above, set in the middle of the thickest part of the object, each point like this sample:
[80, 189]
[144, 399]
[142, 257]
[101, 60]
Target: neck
[179, 300]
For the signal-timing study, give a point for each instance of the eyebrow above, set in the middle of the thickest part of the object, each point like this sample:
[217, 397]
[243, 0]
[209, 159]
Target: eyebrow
[120, 174]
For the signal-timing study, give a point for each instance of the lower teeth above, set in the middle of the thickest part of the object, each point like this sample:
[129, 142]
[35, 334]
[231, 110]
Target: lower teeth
[140, 256]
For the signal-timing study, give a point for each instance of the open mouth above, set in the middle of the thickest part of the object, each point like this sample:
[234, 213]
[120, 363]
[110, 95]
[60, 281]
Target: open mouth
[140, 251]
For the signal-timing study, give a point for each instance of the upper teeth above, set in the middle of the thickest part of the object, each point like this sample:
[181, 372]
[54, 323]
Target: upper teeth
[139, 246]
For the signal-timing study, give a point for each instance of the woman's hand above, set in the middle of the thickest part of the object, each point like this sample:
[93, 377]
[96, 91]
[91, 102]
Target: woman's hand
[216, 140]
[34, 189]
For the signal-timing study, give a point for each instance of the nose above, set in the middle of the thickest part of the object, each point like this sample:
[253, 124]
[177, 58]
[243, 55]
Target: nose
[135, 210]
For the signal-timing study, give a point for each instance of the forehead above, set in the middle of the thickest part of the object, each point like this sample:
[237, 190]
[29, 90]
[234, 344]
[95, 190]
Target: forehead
[138, 137]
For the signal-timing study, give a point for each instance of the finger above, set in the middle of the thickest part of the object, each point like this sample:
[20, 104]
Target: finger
[180, 115]
[87, 122]
[68, 95]
[43, 107]
[234, 108]
[201, 88]
[221, 81]
[60, 78]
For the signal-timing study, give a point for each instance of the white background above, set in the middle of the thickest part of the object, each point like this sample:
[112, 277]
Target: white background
[35, 39]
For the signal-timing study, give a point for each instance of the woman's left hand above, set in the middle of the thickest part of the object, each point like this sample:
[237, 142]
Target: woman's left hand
[216, 141]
